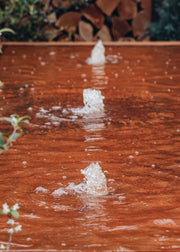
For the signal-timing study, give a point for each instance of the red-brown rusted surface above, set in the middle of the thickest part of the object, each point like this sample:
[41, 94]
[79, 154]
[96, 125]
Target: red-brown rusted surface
[136, 141]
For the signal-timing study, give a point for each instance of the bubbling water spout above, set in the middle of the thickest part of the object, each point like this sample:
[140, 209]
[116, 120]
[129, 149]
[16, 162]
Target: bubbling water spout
[94, 184]
[93, 100]
[95, 180]
[97, 55]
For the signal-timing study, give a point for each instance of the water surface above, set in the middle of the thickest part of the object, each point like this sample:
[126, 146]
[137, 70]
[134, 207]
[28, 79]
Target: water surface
[136, 141]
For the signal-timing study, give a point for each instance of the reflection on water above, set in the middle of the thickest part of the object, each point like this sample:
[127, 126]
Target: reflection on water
[135, 139]
[91, 126]
[99, 78]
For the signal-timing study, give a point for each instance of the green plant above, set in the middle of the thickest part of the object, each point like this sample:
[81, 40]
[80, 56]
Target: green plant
[12, 214]
[25, 17]
[7, 139]
[3, 30]
[166, 25]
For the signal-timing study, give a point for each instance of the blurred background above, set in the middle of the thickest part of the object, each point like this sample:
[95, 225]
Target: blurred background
[90, 20]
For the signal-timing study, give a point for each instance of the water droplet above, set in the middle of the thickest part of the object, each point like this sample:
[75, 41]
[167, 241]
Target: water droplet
[43, 63]
[52, 53]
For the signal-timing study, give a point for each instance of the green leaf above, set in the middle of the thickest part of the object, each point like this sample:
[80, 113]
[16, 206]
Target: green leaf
[14, 213]
[5, 134]
[15, 136]
[26, 121]
[8, 119]
[1, 141]
[15, 116]
[1, 213]
[24, 117]
[6, 147]
[7, 30]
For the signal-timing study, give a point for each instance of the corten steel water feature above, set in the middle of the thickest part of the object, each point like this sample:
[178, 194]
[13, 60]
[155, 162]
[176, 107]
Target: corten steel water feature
[135, 140]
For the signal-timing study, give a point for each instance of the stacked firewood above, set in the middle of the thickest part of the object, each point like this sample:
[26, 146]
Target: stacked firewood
[108, 20]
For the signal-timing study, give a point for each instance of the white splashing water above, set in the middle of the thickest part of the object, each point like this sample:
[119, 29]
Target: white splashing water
[41, 189]
[97, 55]
[94, 183]
[93, 102]
[95, 180]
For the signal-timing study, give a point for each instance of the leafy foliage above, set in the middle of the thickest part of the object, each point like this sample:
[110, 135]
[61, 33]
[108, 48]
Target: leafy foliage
[25, 17]
[11, 213]
[29, 18]
[167, 23]
[7, 139]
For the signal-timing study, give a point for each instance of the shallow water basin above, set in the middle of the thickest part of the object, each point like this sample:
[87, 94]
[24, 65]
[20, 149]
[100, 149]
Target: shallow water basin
[135, 140]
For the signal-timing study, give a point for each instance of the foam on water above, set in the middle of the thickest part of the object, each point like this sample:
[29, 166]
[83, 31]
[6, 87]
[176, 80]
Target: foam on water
[94, 183]
[93, 102]
[97, 55]
[59, 192]
[41, 189]
[95, 180]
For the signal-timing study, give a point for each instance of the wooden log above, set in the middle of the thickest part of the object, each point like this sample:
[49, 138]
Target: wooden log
[103, 34]
[107, 6]
[69, 21]
[146, 38]
[127, 9]
[85, 31]
[77, 38]
[64, 38]
[140, 23]
[147, 5]
[50, 32]
[120, 27]
[127, 39]
[93, 14]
